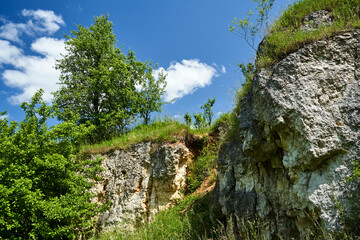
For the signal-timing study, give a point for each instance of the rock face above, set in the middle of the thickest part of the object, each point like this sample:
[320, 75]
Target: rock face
[299, 132]
[141, 181]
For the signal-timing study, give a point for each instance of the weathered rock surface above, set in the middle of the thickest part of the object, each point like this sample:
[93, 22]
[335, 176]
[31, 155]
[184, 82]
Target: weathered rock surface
[141, 181]
[299, 133]
[317, 19]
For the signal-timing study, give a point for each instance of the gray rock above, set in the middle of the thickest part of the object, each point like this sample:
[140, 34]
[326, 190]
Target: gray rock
[140, 182]
[316, 19]
[299, 133]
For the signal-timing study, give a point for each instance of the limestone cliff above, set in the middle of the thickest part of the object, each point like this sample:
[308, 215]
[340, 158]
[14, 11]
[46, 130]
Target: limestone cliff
[299, 132]
[141, 181]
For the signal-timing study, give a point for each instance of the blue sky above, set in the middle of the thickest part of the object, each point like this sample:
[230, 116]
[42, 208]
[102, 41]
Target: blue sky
[189, 39]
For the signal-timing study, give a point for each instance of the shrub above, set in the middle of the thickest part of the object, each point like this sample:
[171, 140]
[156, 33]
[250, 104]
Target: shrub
[43, 188]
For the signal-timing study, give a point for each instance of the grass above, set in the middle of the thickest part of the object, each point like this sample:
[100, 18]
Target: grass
[170, 224]
[286, 37]
[159, 131]
[203, 167]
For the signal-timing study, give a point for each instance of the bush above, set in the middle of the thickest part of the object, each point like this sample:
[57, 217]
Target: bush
[43, 188]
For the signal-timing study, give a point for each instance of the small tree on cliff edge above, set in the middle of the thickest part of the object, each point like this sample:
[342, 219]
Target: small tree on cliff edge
[208, 112]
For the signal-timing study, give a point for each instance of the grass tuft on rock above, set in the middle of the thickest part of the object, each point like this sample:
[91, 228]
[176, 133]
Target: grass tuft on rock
[286, 35]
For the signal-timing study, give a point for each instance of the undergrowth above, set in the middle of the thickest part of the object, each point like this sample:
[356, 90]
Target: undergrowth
[175, 223]
[204, 166]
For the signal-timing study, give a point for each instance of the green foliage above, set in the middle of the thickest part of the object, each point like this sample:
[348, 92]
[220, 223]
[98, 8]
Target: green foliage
[187, 118]
[160, 130]
[98, 82]
[203, 166]
[222, 123]
[248, 30]
[150, 95]
[199, 121]
[43, 187]
[208, 112]
[248, 72]
[172, 224]
[285, 35]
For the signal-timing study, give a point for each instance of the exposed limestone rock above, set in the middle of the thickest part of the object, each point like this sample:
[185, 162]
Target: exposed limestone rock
[299, 133]
[141, 181]
[316, 19]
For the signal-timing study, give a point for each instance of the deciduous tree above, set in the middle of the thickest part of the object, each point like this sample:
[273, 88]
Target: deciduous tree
[98, 81]
[151, 94]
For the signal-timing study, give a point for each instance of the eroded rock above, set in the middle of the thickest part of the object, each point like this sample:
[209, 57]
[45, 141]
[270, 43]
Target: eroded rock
[299, 133]
[141, 181]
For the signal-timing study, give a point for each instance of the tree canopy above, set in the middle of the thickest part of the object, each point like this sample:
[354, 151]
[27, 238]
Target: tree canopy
[99, 82]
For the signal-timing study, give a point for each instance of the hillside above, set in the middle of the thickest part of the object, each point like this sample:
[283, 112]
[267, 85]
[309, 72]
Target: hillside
[285, 165]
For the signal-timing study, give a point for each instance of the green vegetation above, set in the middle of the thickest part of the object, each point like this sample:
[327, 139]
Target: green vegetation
[285, 35]
[44, 186]
[171, 224]
[187, 118]
[204, 166]
[208, 112]
[150, 95]
[248, 72]
[103, 86]
[44, 190]
[199, 120]
[250, 31]
[202, 120]
[159, 131]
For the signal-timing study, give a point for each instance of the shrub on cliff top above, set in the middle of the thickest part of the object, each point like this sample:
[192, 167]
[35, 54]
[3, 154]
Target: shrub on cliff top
[285, 35]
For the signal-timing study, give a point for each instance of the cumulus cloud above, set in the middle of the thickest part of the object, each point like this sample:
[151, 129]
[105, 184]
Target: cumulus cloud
[40, 22]
[223, 69]
[33, 72]
[185, 77]
[29, 72]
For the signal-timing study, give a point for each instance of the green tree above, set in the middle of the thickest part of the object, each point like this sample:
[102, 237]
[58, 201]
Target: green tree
[150, 95]
[44, 190]
[208, 112]
[187, 118]
[199, 120]
[98, 81]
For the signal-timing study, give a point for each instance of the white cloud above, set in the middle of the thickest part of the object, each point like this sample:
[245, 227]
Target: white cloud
[8, 53]
[29, 73]
[223, 69]
[185, 77]
[32, 72]
[40, 22]
[4, 116]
